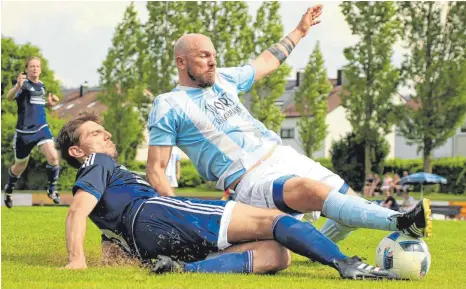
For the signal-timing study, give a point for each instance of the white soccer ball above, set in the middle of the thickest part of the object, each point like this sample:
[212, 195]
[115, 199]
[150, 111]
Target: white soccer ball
[406, 256]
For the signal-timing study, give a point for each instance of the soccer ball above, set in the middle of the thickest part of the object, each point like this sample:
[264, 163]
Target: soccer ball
[406, 256]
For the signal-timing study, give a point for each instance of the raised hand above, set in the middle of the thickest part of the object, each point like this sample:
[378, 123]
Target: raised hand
[20, 80]
[309, 19]
[53, 99]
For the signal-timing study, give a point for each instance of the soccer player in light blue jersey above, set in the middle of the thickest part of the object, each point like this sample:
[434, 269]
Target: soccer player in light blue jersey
[204, 117]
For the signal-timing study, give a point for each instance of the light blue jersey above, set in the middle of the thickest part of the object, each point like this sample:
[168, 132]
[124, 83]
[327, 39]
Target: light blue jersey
[212, 126]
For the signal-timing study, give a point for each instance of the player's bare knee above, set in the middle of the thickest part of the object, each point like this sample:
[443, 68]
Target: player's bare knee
[279, 260]
[271, 258]
[312, 189]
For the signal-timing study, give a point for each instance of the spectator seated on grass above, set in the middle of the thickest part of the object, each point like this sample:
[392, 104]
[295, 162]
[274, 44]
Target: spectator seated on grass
[390, 202]
[408, 202]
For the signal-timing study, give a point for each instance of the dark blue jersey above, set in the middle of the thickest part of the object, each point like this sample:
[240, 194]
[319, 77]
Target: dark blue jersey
[31, 100]
[120, 194]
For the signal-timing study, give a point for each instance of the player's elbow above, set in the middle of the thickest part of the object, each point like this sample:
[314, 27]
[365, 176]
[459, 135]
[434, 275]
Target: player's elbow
[75, 211]
[155, 169]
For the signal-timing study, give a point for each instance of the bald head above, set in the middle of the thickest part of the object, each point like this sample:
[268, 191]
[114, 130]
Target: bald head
[191, 42]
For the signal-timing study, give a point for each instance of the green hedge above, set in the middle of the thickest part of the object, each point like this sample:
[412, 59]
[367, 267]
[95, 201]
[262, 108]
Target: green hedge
[35, 177]
[325, 162]
[190, 177]
[453, 169]
[136, 166]
[348, 157]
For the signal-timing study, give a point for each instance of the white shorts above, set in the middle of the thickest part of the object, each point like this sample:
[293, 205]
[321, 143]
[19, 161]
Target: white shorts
[256, 186]
[172, 181]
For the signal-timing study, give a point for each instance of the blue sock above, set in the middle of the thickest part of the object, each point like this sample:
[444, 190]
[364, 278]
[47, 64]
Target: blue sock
[357, 212]
[52, 173]
[224, 263]
[304, 239]
[12, 179]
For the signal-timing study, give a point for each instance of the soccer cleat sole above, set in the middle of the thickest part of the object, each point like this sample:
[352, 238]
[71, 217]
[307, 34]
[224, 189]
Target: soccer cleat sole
[427, 216]
[368, 278]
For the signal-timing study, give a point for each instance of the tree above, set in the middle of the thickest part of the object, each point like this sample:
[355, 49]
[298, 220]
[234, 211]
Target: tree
[167, 22]
[234, 39]
[13, 60]
[372, 80]
[123, 76]
[226, 23]
[311, 103]
[436, 68]
[125, 125]
[268, 31]
[348, 158]
[124, 56]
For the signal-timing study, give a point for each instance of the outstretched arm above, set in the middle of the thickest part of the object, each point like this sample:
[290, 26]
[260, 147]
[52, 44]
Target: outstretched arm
[269, 60]
[82, 205]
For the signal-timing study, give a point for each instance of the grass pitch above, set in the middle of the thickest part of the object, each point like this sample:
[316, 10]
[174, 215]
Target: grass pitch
[33, 250]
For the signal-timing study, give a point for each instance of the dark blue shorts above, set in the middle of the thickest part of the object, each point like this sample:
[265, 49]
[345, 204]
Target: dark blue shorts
[23, 143]
[182, 228]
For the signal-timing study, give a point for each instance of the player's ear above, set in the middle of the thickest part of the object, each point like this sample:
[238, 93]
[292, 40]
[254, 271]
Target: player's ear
[76, 152]
[181, 62]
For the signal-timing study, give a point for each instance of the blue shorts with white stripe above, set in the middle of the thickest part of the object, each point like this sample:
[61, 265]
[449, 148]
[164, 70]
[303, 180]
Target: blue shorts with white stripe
[182, 228]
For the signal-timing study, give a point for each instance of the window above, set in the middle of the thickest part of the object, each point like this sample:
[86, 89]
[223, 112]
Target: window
[287, 133]
[91, 104]
[463, 128]
[57, 107]
[279, 103]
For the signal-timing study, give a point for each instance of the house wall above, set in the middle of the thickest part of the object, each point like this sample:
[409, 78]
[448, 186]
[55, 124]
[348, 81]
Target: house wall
[337, 126]
[455, 146]
[291, 123]
[460, 145]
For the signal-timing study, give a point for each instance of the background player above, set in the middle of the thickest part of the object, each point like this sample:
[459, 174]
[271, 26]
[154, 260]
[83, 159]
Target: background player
[32, 129]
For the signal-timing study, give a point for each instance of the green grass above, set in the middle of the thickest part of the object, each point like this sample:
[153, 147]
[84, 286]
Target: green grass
[431, 196]
[198, 192]
[182, 192]
[33, 250]
[203, 193]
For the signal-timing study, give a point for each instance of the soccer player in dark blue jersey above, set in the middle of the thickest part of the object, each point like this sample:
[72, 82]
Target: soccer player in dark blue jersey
[32, 129]
[178, 231]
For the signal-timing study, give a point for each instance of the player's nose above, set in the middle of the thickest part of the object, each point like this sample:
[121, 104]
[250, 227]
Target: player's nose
[108, 135]
[213, 62]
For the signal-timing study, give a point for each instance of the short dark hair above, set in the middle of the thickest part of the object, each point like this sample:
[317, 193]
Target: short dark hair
[67, 136]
